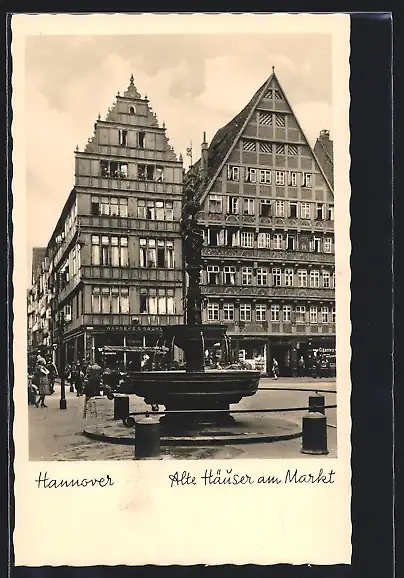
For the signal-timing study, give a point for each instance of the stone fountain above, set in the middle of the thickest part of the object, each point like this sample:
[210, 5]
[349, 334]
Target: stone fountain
[195, 388]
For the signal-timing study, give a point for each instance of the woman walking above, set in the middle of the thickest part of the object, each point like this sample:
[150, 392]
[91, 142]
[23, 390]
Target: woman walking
[41, 381]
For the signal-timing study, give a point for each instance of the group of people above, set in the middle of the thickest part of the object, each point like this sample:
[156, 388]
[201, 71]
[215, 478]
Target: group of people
[84, 377]
[42, 381]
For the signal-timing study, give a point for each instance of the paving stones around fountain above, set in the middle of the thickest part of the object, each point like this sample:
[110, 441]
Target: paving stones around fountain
[241, 432]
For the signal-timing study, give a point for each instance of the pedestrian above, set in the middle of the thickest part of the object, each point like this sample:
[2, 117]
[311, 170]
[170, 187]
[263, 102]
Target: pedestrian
[275, 368]
[78, 379]
[301, 366]
[92, 383]
[51, 367]
[41, 381]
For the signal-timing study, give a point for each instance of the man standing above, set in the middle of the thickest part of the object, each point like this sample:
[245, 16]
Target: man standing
[51, 367]
[92, 383]
[301, 366]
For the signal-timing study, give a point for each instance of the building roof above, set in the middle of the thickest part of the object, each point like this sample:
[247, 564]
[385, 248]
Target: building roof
[324, 149]
[227, 137]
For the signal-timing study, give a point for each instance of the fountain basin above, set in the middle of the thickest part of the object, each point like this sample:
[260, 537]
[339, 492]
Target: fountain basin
[201, 392]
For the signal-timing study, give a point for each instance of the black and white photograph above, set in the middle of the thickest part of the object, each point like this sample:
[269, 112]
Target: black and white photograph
[184, 245]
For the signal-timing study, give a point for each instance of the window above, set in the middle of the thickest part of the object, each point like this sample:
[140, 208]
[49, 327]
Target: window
[275, 313]
[280, 120]
[157, 302]
[324, 315]
[233, 205]
[288, 277]
[215, 203]
[249, 145]
[114, 169]
[217, 237]
[95, 205]
[168, 211]
[123, 136]
[265, 208]
[246, 275]
[307, 179]
[333, 315]
[292, 150]
[280, 208]
[141, 209]
[132, 110]
[287, 313]
[279, 178]
[291, 243]
[248, 206]
[156, 255]
[245, 312]
[293, 179]
[305, 212]
[320, 211]
[213, 311]
[264, 240]
[159, 210]
[247, 239]
[95, 250]
[109, 206]
[265, 177]
[114, 251]
[233, 173]
[250, 175]
[293, 210]
[276, 277]
[327, 244]
[155, 210]
[159, 174]
[262, 276]
[330, 213]
[110, 300]
[302, 278]
[145, 172]
[280, 149]
[277, 241]
[260, 312]
[316, 244]
[96, 300]
[228, 312]
[333, 280]
[213, 274]
[300, 313]
[229, 275]
[140, 139]
[313, 314]
[265, 118]
[326, 279]
[315, 278]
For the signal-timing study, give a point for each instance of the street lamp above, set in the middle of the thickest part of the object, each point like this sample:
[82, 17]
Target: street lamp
[62, 361]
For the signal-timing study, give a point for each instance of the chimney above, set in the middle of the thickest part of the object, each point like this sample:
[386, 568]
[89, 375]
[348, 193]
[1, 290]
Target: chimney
[325, 134]
[204, 157]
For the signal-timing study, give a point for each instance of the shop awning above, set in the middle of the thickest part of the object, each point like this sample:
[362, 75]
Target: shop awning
[133, 348]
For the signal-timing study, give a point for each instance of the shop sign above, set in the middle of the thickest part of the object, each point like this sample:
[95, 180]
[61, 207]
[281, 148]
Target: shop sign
[126, 329]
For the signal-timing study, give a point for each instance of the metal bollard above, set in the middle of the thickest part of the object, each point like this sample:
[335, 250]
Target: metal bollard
[317, 403]
[121, 406]
[314, 438]
[147, 438]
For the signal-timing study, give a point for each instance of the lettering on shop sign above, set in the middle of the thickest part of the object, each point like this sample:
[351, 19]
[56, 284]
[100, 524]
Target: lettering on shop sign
[43, 481]
[228, 477]
[131, 329]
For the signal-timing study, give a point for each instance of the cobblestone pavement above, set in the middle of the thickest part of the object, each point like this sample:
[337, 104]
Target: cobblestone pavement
[56, 434]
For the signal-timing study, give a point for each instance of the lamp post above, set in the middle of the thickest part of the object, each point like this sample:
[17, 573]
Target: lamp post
[62, 361]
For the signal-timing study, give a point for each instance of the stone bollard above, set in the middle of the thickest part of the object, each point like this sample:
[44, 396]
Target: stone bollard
[147, 438]
[314, 435]
[317, 403]
[121, 406]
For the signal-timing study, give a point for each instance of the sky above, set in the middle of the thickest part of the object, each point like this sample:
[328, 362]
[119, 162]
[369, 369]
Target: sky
[195, 83]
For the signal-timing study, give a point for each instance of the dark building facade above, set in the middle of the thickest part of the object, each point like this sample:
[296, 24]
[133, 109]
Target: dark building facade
[267, 209]
[115, 258]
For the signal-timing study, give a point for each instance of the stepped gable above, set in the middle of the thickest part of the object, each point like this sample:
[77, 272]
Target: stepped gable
[132, 94]
[228, 136]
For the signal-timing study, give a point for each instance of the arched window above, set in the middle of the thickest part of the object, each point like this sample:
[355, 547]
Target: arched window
[131, 110]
